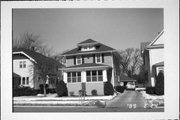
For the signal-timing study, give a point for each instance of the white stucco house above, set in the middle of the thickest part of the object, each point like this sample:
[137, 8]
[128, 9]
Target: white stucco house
[24, 72]
[153, 57]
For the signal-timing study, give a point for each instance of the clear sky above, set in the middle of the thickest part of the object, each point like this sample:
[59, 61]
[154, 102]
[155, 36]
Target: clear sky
[62, 29]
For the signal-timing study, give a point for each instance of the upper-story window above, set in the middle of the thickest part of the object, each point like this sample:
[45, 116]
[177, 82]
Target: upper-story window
[98, 58]
[79, 60]
[22, 64]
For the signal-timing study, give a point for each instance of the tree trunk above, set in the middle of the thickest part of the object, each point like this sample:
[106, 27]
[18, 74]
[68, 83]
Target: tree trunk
[44, 88]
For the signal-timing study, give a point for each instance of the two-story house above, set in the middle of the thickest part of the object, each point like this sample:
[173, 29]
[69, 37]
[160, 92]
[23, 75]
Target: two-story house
[26, 74]
[153, 58]
[89, 66]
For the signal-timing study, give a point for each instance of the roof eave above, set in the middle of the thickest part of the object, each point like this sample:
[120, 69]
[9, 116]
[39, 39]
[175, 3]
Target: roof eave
[89, 53]
[22, 52]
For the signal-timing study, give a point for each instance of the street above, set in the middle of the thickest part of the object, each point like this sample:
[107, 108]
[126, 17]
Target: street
[129, 101]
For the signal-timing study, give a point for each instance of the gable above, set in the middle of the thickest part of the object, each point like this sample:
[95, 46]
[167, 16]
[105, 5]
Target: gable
[159, 40]
[22, 55]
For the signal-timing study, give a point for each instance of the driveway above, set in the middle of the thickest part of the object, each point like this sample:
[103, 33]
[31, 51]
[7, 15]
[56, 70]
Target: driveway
[127, 99]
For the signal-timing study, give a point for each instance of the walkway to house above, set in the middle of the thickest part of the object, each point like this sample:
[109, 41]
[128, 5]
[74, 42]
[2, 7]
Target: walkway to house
[128, 99]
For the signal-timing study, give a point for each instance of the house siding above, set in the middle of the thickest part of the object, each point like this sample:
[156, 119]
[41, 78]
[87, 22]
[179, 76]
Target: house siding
[156, 56]
[74, 87]
[89, 59]
[28, 71]
[99, 86]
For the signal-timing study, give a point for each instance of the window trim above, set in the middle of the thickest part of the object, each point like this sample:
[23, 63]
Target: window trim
[96, 58]
[78, 59]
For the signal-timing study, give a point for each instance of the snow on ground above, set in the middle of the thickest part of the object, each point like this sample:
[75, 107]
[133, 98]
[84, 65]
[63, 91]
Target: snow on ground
[153, 101]
[53, 97]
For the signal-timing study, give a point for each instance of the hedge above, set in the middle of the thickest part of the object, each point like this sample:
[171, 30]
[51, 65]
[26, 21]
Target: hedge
[150, 90]
[108, 88]
[120, 88]
[24, 91]
[61, 89]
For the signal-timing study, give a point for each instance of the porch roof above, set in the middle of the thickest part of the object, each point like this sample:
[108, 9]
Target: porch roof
[87, 66]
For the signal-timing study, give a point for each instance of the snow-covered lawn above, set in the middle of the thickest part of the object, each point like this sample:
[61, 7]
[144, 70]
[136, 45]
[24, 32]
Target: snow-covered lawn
[52, 99]
[153, 100]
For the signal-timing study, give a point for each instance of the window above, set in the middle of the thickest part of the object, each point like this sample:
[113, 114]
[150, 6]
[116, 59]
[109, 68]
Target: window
[78, 60]
[88, 48]
[93, 76]
[100, 76]
[27, 80]
[98, 58]
[73, 77]
[20, 64]
[23, 80]
[69, 77]
[24, 64]
[79, 76]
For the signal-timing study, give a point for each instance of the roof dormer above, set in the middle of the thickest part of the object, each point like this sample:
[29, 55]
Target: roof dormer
[87, 45]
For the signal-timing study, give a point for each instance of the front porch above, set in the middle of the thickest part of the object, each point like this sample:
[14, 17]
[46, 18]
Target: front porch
[87, 78]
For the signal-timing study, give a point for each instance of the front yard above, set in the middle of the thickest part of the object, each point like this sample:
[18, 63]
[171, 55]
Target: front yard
[52, 99]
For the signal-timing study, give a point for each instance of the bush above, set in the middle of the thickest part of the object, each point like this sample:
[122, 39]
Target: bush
[120, 88]
[108, 88]
[82, 92]
[94, 92]
[150, 90]
[61, 89]
[159, 88]
[24, 91]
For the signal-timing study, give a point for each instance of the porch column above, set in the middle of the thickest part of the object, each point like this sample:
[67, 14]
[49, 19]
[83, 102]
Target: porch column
[104, 75]
[83, 76]
[65, 77]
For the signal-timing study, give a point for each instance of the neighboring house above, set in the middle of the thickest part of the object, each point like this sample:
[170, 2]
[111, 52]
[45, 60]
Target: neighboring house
[153, 56]
[89, 66]
[26, 74]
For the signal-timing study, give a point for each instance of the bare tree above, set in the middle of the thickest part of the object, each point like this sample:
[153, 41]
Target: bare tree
[33, 43]
[131, 61]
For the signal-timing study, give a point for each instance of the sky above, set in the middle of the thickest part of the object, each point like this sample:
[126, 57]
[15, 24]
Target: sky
[61, 29]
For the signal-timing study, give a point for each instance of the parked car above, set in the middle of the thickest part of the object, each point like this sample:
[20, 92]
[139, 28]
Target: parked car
[131, 86]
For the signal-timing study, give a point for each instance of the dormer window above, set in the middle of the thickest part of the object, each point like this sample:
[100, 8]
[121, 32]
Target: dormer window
[88, 48]
[98, 58]
[79, 60]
